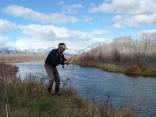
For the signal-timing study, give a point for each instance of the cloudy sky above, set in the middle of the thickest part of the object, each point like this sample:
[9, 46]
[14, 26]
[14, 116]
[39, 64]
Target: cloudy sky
[33, 24]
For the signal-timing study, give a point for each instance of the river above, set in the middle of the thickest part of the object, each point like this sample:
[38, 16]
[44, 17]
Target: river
[93, 83]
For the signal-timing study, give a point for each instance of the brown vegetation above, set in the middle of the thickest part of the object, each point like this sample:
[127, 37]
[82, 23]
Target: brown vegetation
[21, 57]
[125, 55]
[26, 98]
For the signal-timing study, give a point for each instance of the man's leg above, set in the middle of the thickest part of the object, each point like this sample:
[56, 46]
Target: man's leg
[49, 71]
[57, 85]
[57, 81]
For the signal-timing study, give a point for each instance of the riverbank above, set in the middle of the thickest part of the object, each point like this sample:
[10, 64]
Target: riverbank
[26, 98]
[17, 58]
[123, 55]
[129, 70]
[133, 70]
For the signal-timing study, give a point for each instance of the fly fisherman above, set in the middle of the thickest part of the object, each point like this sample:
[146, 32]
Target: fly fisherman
[54, 58]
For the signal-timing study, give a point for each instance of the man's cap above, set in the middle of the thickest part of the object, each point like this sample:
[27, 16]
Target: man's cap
[62, 45]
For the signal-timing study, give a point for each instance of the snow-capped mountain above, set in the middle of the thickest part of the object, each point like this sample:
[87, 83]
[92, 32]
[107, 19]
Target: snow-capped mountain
[9, 50]
[36, 51]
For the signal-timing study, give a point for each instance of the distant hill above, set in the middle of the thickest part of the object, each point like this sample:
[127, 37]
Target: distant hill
[14, 50]
[33, 51]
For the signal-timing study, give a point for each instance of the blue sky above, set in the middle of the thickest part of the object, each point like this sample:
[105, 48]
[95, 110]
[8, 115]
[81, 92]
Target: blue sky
[32, 24]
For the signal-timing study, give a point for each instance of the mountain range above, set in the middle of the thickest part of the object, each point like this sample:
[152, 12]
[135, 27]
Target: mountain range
[35, 51]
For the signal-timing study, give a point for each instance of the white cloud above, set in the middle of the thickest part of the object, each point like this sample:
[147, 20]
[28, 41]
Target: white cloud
[4, 42]
[32, 43]
[73, 8]
[104, 7]
[44, 36]
[118, 25]
[126, 7]
[27, 13]
[33, 36]
[100, 32]
[6, 25]
[50, 32]
[134, 20]
[87, 19]
[133, 13]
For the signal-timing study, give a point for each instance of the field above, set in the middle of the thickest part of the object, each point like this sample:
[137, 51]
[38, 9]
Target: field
[20, 57]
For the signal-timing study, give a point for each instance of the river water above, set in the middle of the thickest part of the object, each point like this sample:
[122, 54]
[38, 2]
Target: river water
[93, 83]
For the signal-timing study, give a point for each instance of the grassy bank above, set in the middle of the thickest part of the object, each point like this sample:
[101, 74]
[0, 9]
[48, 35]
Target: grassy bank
[133, 70]
[26, 98]
[123, 54]
[14, 58]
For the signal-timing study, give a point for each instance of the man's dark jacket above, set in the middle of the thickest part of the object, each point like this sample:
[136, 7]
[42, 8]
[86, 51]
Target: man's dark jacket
[54, 58]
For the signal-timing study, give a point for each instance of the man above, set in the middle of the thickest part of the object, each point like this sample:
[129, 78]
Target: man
[55, 58]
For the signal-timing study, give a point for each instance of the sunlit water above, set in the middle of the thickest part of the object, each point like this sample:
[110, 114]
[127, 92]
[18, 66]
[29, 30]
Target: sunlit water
[97, 84]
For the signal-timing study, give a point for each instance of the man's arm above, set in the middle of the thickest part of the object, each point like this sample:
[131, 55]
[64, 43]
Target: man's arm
[67, 61]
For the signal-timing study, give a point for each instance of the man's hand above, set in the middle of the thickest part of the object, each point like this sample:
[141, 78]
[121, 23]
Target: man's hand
[67, 61]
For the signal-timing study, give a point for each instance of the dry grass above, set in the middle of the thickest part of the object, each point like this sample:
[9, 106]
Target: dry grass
[12, 58]
[28, 98]
[133, 57]
[129, 70]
